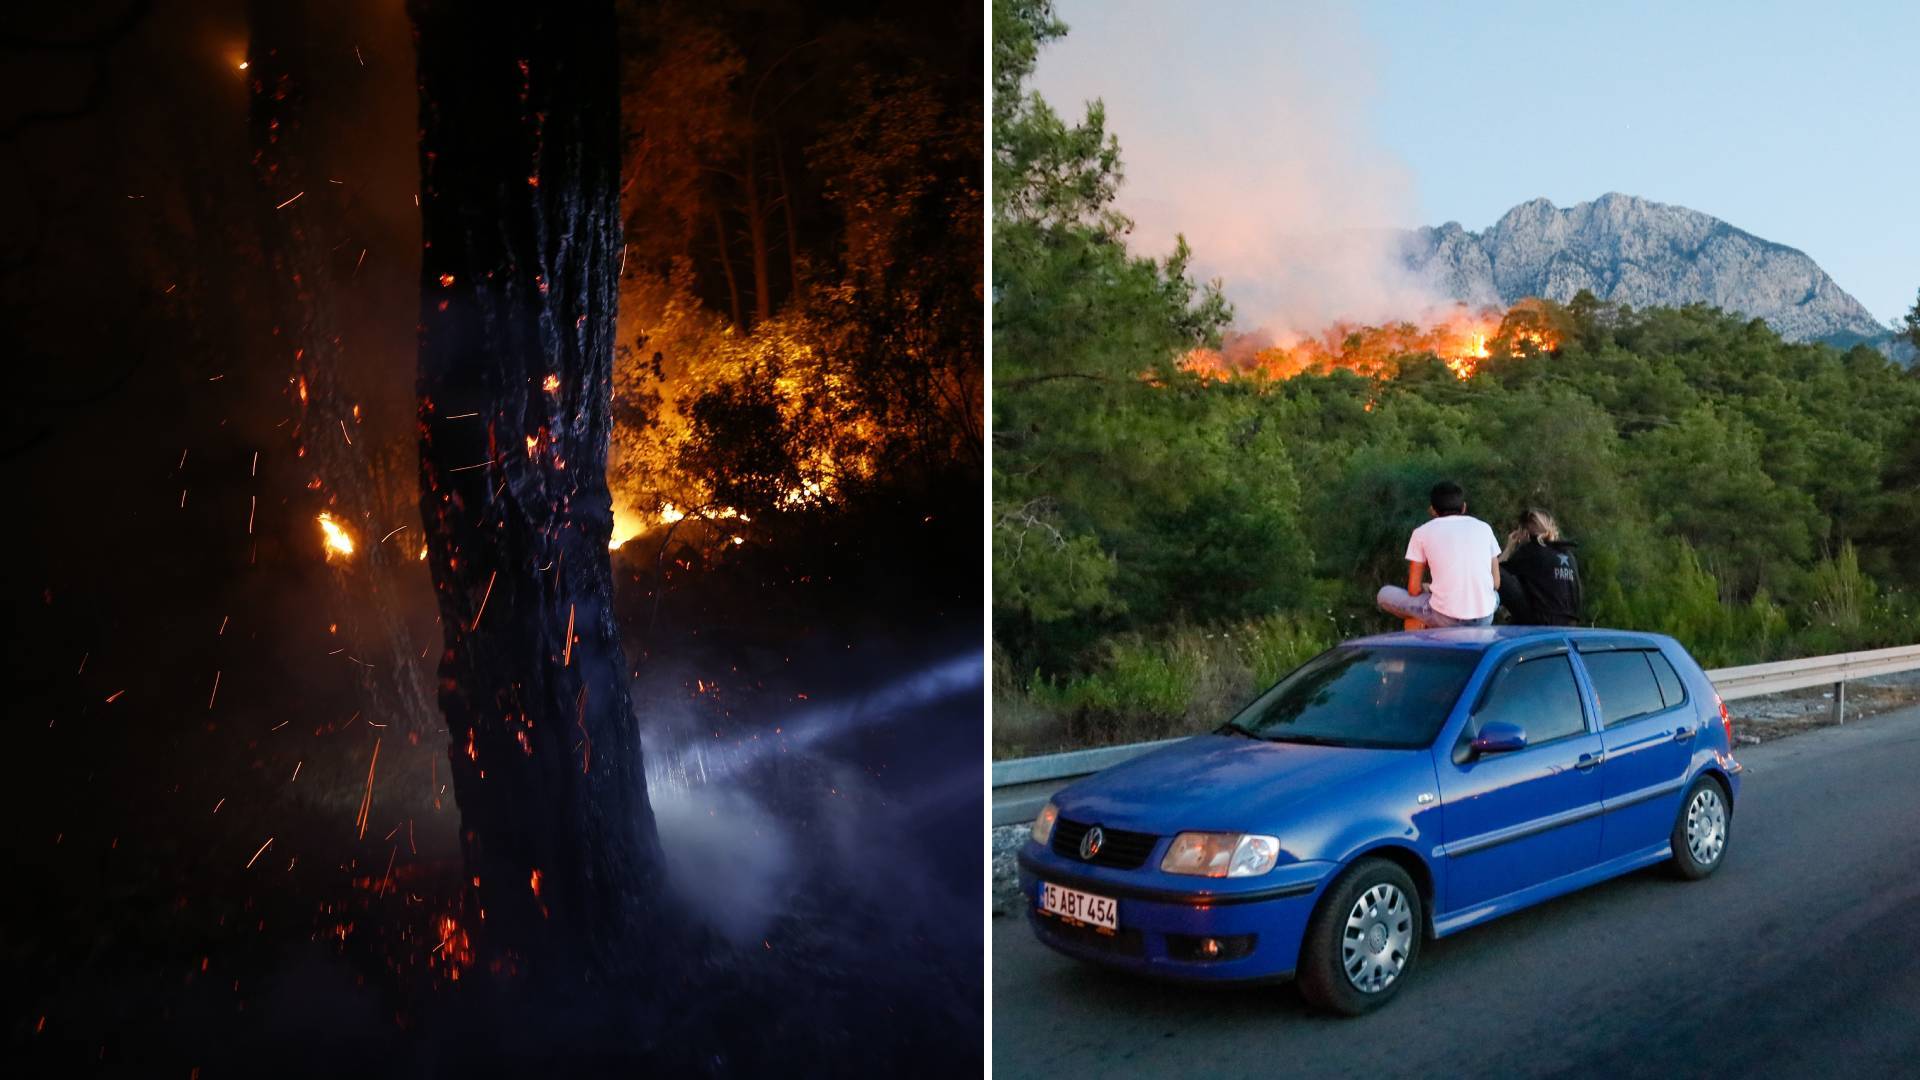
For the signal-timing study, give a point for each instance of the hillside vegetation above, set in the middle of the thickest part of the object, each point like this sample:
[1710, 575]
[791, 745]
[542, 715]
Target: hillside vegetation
[1165, 543]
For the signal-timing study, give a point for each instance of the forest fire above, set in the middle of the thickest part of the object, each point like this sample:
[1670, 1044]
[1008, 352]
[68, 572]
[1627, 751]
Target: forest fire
[1463, 340]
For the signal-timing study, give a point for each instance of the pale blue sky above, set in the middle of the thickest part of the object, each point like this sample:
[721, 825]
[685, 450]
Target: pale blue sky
[1796, 122]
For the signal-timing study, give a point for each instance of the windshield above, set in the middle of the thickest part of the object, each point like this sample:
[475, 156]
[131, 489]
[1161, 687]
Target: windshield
[1362, 696]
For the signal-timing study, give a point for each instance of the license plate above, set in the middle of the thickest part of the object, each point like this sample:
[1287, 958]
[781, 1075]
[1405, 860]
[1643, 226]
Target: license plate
[1076, 906]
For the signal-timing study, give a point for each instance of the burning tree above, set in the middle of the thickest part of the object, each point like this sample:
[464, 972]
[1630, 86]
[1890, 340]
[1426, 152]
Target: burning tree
[520, 160]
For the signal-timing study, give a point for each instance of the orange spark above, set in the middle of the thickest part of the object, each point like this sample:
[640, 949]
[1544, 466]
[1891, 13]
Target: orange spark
[483, 602]
[366, 800]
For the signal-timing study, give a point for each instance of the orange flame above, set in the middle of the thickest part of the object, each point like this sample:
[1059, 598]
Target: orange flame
[336, 539]
[1462, 341]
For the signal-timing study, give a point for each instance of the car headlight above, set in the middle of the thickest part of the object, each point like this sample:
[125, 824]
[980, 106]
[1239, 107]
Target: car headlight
[1043, 825]
[1221, 854]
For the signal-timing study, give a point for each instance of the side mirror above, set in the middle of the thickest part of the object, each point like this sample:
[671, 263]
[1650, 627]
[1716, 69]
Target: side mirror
[1499, 737]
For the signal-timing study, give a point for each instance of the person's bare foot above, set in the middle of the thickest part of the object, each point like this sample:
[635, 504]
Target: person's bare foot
[1414, 624]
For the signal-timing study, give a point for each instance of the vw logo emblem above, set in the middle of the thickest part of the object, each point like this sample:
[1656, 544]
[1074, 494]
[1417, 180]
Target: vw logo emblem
[1090, 843]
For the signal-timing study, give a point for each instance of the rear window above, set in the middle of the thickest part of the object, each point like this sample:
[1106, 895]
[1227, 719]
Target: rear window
[1362, 696]
[1671, 688]
[1624, 683]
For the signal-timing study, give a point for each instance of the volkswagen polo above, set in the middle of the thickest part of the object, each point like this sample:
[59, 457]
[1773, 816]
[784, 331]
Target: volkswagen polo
[1392, 789]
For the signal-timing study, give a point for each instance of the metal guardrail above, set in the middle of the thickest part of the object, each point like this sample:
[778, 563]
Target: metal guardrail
[1021, 786]
[1755, 680]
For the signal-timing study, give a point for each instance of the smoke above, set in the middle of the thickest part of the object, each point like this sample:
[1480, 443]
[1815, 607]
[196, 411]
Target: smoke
[751, 822]
[1245, 127]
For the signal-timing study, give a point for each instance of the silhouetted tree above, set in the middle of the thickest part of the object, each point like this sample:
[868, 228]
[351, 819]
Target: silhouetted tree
[520, 159]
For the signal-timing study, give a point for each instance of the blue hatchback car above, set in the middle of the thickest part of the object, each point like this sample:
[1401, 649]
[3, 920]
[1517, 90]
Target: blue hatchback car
[1393, 788]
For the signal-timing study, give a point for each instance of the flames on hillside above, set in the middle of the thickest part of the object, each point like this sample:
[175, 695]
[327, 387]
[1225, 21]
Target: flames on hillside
[1463, 339]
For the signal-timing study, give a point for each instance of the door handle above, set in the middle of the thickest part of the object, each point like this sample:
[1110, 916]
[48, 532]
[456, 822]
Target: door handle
[1588, 761]
[1682, 734]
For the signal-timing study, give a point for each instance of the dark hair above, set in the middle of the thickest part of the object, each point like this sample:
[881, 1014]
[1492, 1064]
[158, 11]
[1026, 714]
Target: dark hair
[1447, 498]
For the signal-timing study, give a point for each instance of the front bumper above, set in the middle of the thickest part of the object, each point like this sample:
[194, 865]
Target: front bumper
[1159, 920]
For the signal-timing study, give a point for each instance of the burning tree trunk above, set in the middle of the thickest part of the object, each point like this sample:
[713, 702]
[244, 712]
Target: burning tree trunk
[519, 202]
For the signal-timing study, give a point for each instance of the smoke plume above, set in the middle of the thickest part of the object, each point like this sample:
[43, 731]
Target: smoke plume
[1257, 148]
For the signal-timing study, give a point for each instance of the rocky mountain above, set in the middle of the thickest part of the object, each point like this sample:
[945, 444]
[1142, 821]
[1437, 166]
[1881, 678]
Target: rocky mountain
[1631, 251]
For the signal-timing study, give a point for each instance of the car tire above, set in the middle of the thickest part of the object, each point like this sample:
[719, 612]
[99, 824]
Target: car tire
[1702, 831]
[1363, 940]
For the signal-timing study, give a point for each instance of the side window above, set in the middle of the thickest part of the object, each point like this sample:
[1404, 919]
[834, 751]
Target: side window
[1539, 696]
[1624, 684]
[1672, 690]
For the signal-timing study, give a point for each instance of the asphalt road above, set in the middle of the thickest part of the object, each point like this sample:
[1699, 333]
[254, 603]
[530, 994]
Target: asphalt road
[1800, 957]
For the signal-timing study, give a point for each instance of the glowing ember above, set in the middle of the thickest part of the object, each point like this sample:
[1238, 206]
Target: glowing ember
[551, 384]
[446, 281]
[337, 538]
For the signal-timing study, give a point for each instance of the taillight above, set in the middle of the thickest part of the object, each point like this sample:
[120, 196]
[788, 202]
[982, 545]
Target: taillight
[1726, 721]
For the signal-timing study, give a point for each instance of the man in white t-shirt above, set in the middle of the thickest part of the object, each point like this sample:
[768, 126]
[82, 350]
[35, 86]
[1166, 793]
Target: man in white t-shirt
[1464, 560]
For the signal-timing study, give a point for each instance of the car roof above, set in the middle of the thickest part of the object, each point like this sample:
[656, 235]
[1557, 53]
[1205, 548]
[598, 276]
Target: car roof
[1481, 638]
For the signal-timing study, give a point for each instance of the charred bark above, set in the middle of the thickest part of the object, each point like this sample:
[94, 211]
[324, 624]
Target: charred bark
[520, 154]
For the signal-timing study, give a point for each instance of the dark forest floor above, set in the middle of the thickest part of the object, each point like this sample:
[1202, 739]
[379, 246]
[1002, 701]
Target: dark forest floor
[813, 737]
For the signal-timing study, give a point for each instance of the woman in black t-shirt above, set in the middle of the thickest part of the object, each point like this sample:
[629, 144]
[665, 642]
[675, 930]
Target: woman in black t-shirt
[1539, 576]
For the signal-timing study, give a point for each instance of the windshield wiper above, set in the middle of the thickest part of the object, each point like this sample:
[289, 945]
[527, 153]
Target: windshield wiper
[1230, 727]
[1308, 740]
